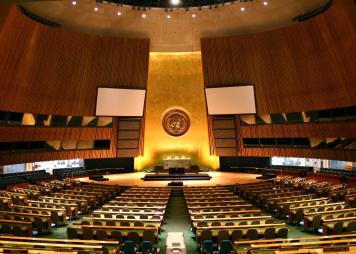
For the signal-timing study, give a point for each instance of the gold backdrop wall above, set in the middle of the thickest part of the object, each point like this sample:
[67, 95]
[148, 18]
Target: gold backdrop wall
[175, 80]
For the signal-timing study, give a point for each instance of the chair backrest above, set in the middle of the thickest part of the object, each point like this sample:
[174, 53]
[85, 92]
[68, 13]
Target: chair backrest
[207, 247]
[110, 223]
[85, 222]
[316, 221]
[202, 224]
[129, 247]
[18, 231]
[125, 223]
[282, 233]
[117, 236]
[206, 234]
[236, 235]
[269, 221]
[216, 224]
[222, 235]
[255, 222]
[338, 226]
[130, 217]
[97, 222]
[72, 233]
[351, 227]
[88, 234]
[143, 217]
[101, 234]
[147, 247]
[107, 215]
[252, 234]
[229, 223]
[220, 216]
[225, 247]
[149, 235]
[270, 233]
[133, 236]
[243, 223]
[120, 216]
[138, 224]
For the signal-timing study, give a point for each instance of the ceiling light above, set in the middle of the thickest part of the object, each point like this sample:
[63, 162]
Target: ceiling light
[265, 3]
[119, 13]
[175, 2]
[168, 16]
[74, 3]
[193, 15]
[242, 9]
[96, 9]
[143, 15]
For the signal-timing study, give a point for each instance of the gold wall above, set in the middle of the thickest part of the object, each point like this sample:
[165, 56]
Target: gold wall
[175, 80]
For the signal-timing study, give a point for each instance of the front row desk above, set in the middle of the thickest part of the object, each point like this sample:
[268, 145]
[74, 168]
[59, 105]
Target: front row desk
[175, 243]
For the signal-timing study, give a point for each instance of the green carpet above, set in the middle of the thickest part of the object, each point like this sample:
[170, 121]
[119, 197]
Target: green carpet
[177, 220]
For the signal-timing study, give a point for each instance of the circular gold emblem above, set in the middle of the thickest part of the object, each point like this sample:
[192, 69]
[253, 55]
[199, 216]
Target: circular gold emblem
[176, 122]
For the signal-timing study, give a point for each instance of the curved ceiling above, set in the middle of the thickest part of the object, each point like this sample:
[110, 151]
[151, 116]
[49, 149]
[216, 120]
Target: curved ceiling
[180, 32]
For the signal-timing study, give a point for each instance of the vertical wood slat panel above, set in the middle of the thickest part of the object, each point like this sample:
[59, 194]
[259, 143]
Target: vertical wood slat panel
[308, 66]
[55, 71]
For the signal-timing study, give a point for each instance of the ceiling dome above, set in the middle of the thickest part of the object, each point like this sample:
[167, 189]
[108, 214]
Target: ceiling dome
[177, 29]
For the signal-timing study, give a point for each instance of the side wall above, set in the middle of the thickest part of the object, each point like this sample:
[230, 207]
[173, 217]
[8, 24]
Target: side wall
[47, 70]
[308, 66]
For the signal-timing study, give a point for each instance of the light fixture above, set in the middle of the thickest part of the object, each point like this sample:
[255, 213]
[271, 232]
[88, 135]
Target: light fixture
[168, 16]
[242, 9]
[96, 8]
[175, 2]
[265, 3]
[74, 2]
[143, 15]
[119, 13]
[193, 15]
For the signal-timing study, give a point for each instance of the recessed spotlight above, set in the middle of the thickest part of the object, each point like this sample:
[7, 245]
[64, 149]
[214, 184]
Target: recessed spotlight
[242, 9]
[96, 9]
[175, 2]
[193, 15]
[74, 2]
[119, 13]
[265, 3]
[168, 16]
[143, 15]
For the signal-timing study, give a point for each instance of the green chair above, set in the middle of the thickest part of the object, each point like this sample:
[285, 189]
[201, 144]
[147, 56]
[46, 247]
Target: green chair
[207, 247]
[225, 247]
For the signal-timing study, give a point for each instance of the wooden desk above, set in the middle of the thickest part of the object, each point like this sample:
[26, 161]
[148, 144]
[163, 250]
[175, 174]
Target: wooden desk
[227, 212]
[231, 219]
[128, 213]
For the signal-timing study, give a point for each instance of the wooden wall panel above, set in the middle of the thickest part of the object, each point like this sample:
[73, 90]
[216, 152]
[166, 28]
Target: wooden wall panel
[42, 134]
[307, 66]
[299, 152]
[55, 71]
[299, 130]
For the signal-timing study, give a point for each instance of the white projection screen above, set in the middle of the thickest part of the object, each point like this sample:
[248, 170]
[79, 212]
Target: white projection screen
[231, 100]
[120, 102]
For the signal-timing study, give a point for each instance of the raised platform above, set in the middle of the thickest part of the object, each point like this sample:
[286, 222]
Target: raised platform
[177, 177]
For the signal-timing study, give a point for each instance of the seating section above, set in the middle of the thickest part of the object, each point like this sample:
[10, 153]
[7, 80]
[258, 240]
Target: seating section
[315, 244]
[303, 202]
[133, 218]
[219, 217]
[22, 177]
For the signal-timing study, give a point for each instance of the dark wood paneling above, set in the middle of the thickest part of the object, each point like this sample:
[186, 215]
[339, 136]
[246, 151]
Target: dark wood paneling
[55, 71]
[308, 66]
[342, 130]
[297, 152]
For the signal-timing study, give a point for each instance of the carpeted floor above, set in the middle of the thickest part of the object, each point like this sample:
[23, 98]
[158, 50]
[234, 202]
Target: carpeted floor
[177, 220]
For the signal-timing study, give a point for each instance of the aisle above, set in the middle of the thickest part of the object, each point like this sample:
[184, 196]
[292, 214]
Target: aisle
[177, 221]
